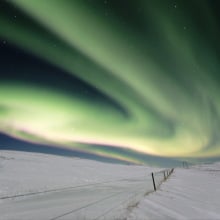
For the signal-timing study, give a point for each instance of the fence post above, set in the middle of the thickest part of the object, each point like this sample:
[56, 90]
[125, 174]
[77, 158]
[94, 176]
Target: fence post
[153, 181]
[164, 175]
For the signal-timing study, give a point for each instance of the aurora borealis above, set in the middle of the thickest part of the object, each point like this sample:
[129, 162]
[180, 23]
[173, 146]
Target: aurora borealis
[111, 76]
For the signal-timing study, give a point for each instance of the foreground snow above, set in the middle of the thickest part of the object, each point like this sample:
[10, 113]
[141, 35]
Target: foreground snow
[39, 186]
[192, 193]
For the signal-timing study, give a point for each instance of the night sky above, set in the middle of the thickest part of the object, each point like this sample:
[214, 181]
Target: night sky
[135, 81]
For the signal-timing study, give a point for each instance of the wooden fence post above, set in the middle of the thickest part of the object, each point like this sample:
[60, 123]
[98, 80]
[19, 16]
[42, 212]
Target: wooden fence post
[153, 181]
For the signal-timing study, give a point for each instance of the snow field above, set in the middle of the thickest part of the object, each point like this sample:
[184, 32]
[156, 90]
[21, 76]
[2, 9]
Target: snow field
[39, 186]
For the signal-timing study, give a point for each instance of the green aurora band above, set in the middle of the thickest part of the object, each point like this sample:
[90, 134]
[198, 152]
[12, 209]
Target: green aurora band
[158, 60]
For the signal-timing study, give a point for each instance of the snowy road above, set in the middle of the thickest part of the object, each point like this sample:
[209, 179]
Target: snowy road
[88, 202]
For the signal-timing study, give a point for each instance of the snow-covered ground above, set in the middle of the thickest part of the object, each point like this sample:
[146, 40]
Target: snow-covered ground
[24, 172]
[40, 186]
[192, 193]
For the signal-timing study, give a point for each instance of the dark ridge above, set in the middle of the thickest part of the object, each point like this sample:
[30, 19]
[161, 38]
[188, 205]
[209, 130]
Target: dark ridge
[158, 161]
[10, 143]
